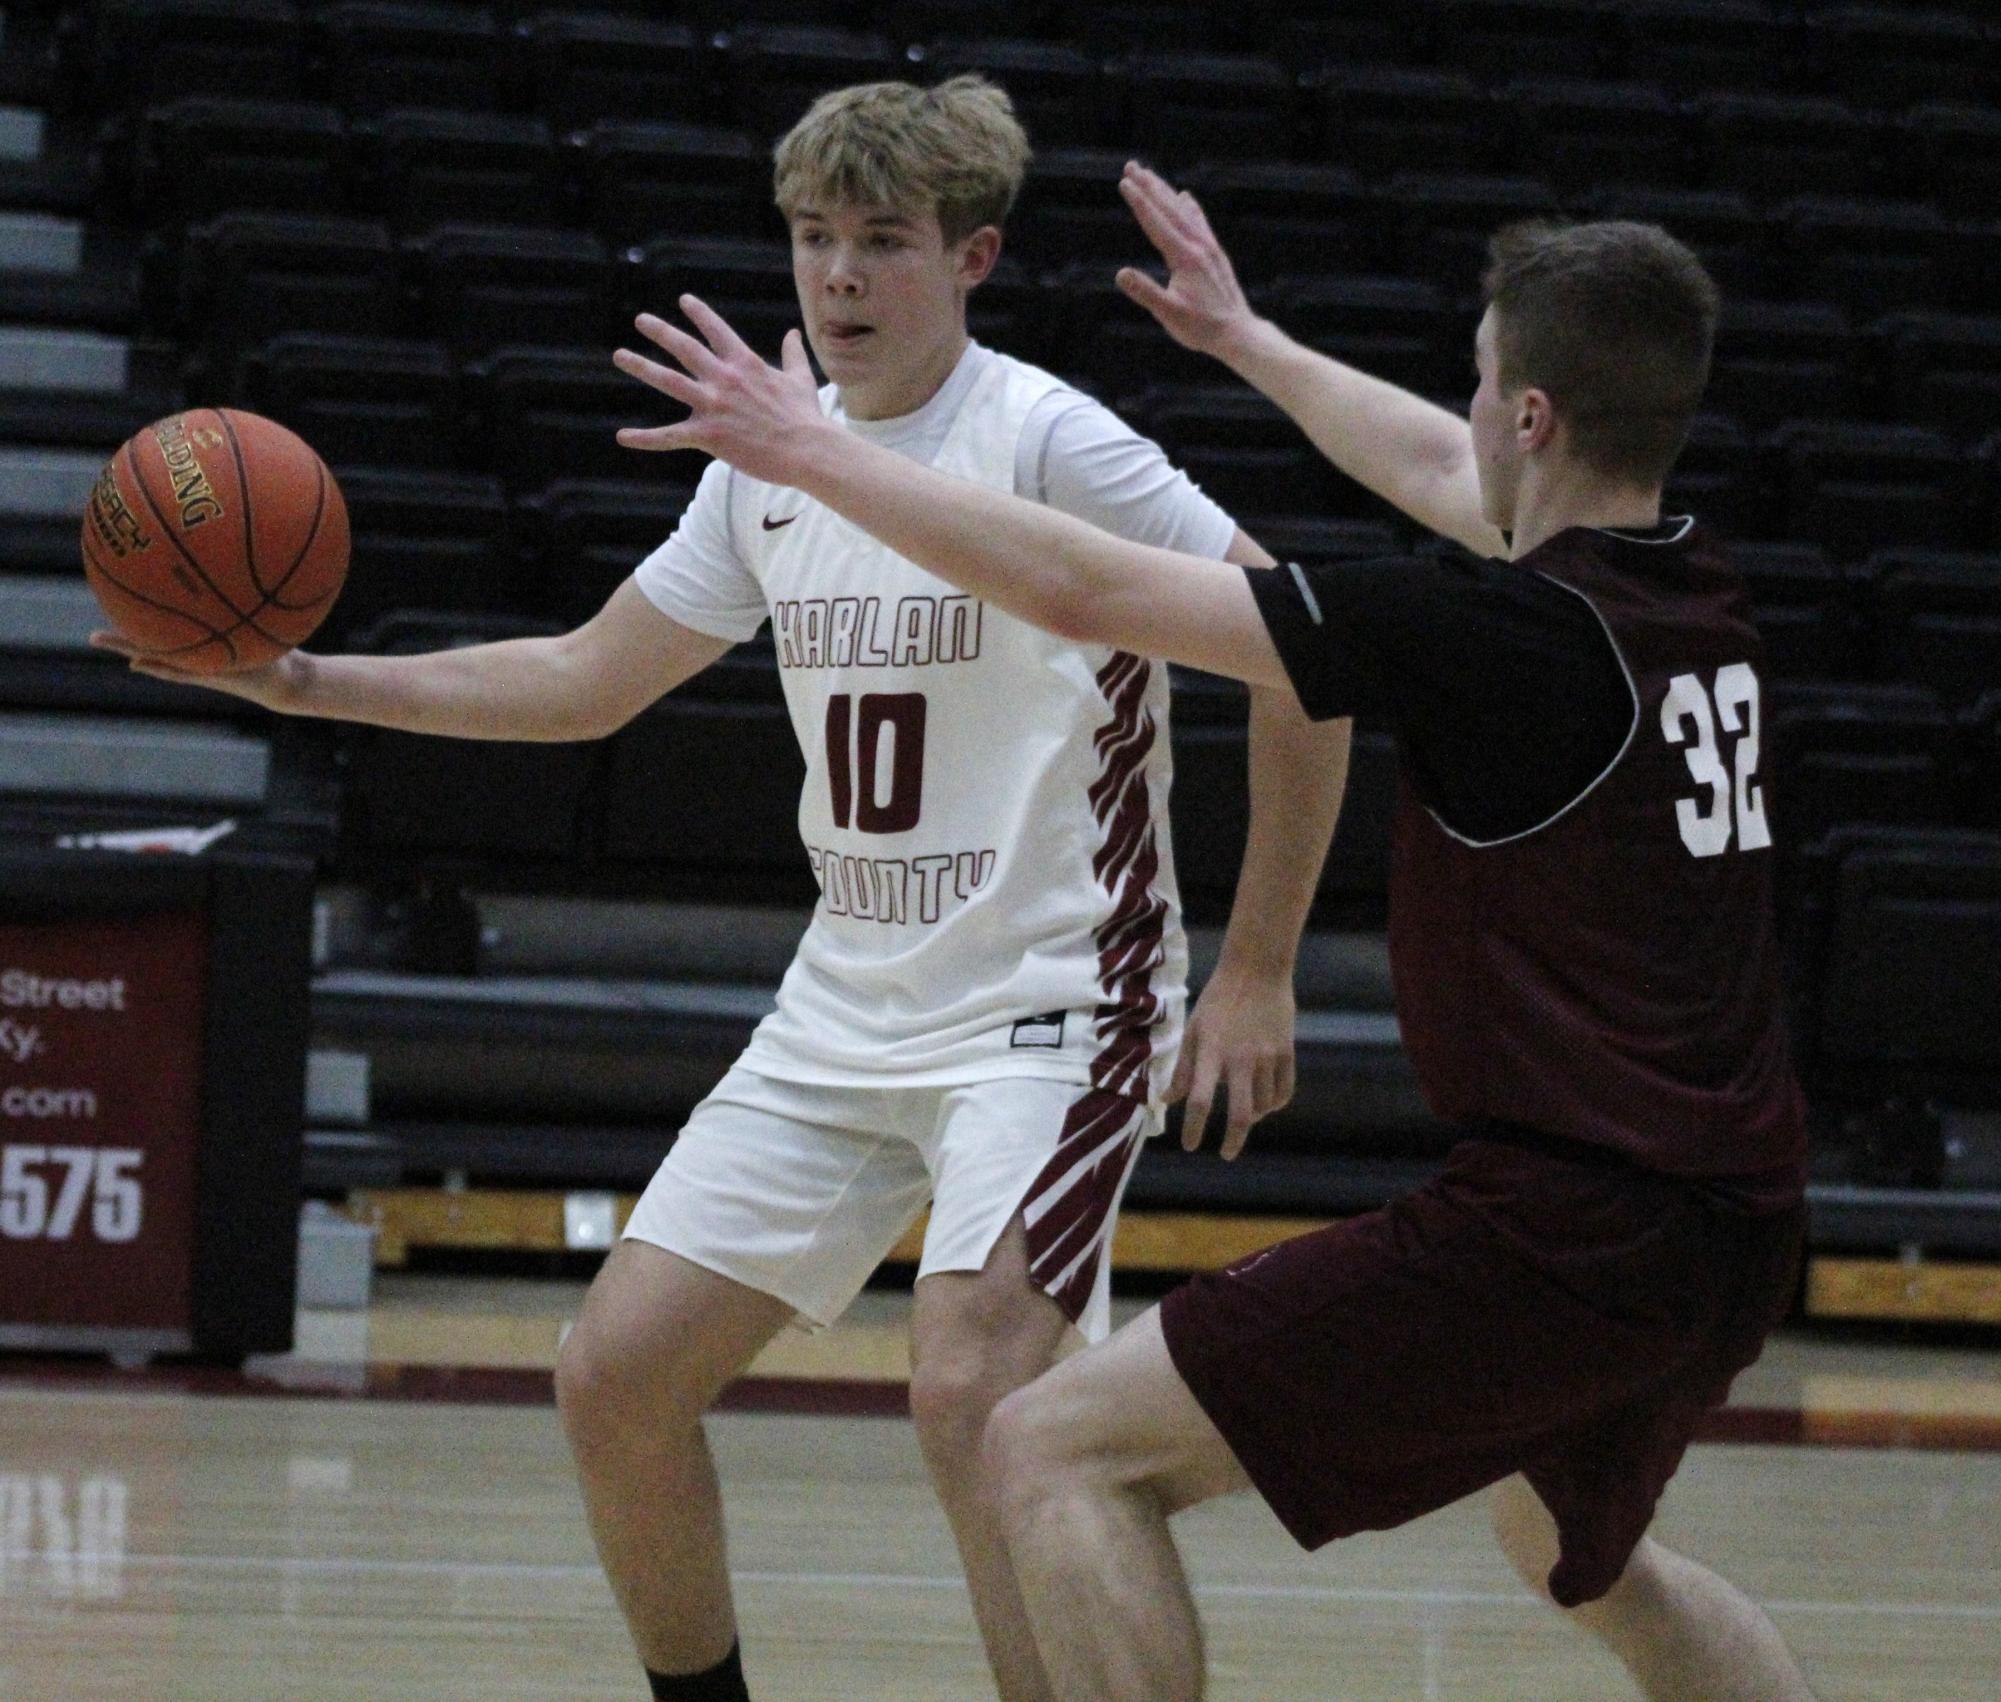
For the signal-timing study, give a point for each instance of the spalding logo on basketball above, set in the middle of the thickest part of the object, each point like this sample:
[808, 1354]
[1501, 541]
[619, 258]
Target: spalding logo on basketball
[215, 540]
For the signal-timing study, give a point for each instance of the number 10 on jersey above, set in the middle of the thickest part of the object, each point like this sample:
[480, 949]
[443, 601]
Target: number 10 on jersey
[857, 732]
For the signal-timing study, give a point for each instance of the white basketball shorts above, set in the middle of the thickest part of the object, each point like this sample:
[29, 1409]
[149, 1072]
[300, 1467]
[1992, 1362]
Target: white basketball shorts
[799, 1190]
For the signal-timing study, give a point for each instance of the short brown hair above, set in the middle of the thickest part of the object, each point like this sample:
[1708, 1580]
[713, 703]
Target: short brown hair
[956, 147]
[1615, 320]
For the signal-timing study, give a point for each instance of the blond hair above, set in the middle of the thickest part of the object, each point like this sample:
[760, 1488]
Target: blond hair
[956, 147]
[1616, 321]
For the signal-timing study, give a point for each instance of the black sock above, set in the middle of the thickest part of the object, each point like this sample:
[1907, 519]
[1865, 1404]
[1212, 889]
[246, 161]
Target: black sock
[722, 1682]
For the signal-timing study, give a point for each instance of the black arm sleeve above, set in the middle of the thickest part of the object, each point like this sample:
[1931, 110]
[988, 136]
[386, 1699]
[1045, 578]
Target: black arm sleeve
[1503, 688]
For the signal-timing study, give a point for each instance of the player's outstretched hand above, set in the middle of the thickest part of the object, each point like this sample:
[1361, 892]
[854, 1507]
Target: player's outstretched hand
[1239, 1038]
[1201, 306]
[276, 685]
[757, 417]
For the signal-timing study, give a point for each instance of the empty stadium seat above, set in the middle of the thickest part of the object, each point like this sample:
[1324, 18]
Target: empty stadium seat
[585, 69]
[1719, 224]
[1237, 446]
[488, 285]
[1580, 135]
[248, 277]
[1938, 620]
[1982, 726]
[1446, 220]
[1496, 39]
[1141, 26]
[1804, 610]
[1772, 146]
[646, 181]
[776, 73]
[1381, 120]
[1098, 338]
[209, 155]
[1690, 47]
[916, 22]
[1717, 478]
[1943, 371]
[1952, 154]
[144, 51]
[1059, 94]
[589, 534]
[1306, 35]
[359, 401]
[1846, 754]
[439, 541]
[457, 168]
[1776, 362]
[1394, 328]
[1857, 488]
[1202, 106]
[382, 55]
[552, 414]
[1070, 209]
[1869, 256]
[749, 283]
[1278, 218]
[1889, 56]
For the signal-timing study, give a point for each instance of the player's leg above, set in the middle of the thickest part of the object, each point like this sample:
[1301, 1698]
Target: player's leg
[658, 1339]
[1680, 1629]
[1088, 1463]
[976, 1337]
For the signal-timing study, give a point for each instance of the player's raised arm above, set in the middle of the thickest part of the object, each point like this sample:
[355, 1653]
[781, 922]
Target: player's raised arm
[575, 685]
[1044, 567]
[1408, 451]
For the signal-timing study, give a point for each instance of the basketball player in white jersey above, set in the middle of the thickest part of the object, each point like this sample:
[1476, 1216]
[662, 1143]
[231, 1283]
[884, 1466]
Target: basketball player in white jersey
[985, 1011]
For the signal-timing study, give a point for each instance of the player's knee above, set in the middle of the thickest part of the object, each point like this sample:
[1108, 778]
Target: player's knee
[1024, 1450]
[951, 1398]
[604, 1386]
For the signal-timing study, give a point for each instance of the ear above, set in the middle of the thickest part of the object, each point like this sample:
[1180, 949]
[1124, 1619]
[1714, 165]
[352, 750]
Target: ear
[1535, 420]
[977, 255]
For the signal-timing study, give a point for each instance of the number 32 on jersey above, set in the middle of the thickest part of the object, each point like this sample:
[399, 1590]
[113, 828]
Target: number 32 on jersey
[1735, 807]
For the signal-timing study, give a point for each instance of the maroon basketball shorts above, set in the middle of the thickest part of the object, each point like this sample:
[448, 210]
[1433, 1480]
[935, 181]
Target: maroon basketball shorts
[1570, 1319]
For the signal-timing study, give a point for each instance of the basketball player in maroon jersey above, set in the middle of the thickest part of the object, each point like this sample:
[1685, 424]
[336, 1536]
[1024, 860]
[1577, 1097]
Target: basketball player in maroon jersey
[1581, 935]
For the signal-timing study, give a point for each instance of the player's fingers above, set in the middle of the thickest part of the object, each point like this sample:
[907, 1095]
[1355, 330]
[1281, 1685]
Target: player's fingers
[1147, 291]
[792, 355]
[1287, 1080]
[1243, 1106]
[1153, 205]
[1184, 1063]
[691, 352]
[118, 646]
[662, 378]
[1195, 1114]
[721, 335]
[682, 436]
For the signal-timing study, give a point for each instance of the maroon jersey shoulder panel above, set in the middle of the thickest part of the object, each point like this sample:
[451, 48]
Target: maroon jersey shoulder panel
[1613, 975]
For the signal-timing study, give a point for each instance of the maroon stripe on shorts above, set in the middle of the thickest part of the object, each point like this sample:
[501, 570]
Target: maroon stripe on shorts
[1069, 1207]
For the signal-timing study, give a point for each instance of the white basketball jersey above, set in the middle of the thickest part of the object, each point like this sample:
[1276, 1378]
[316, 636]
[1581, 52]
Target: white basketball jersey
[985, 810]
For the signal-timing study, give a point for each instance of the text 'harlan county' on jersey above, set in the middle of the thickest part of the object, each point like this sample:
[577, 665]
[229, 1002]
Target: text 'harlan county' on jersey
[854, 632]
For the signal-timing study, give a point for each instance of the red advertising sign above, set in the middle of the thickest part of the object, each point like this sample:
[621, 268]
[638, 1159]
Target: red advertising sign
[100, 1115]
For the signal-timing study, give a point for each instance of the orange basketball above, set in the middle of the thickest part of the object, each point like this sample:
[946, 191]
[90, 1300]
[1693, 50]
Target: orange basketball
[215, 540]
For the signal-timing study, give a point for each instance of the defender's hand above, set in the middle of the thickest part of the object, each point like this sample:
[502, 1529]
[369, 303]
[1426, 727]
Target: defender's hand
[1201, 306]
[1240, 1036]
[756, 417]
[277, 685]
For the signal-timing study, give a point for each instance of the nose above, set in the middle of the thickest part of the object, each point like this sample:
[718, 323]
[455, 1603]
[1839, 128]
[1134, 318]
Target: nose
[844, 277]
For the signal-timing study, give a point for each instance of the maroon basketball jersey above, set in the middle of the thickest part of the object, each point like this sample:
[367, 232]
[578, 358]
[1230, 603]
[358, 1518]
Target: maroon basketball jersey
[1612, 975]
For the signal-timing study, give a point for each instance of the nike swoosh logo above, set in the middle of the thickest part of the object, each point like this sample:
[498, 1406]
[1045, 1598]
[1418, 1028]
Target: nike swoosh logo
[771, 525]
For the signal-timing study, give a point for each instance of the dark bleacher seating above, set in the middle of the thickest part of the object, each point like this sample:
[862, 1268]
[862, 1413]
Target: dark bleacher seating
[456, 168]
[1059, 94]
[776, 73]
[589, 534]
[1070, 210]
[1579, 135]
[1914, 966]
[1316, 537]
[1719, 224]
[748, 283]
[645, 181]
[1306, 34]
[1937, 617]
[1446, 221]
[1393, 327]
[1495, 39]
[551, 414]
[1981, 725]
[1186, 107]
[359, 401]
[1952, 153]
[1775, 362]
[1718, 477]
[440, 541]
[1804, 609]
[1943, 371]
[411, 797]
[1237, 446]
[248, 277]
[146, 51]
[1098, 338]
[1690, 47]
[1772, 146]
[1857, 488]
[489, 285]
[1381, 120]
[381, 56]
[1868, 256]
[1278, 218]
[1889, 56]
[1848, 754]
[585, 69]
[1137, 26]
[209, 155]
[916, 22]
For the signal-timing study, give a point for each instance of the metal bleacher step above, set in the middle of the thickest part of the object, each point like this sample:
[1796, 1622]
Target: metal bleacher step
[86, 756]
[46, 616]
[23, 133]
[40, 242]
[40, 483]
